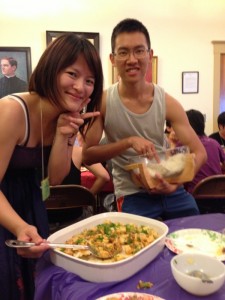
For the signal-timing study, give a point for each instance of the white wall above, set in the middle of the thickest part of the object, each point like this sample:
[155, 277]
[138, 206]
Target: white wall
[181, 34]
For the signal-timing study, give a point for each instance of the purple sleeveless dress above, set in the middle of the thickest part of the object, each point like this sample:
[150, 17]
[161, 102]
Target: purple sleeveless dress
[21, 186]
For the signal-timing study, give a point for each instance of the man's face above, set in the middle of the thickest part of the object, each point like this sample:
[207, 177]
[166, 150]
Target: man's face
[222, 130]
[132, 68]
[7, 69]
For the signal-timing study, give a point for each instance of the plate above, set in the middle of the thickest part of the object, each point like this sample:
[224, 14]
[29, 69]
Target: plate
[130, 296]
[197, 240]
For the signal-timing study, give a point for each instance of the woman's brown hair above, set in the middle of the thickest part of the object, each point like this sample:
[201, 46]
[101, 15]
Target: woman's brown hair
[60, 54]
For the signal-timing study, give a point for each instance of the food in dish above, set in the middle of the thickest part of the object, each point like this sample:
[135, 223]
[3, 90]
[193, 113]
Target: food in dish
[112, 239]
[130, 296]
[172, 166]
[175, 166]
[103, 271]
[197, 240]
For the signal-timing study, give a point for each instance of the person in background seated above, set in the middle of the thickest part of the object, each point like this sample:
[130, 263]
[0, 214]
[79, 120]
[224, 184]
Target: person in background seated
[133, 114]
[101, 174]
[215, 163]
[37, 132]
[56, 217]
[171, 140]
[219, 136]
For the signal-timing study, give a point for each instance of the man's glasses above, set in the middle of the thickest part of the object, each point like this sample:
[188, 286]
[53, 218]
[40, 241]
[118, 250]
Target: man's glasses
[124, 54]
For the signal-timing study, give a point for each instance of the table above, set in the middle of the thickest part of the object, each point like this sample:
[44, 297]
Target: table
[88, 179]
[57, 284]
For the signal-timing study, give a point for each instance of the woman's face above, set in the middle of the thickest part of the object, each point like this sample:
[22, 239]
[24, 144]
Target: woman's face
[76, 84]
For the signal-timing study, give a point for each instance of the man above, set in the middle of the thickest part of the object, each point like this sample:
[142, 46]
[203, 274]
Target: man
[215, 164]
[133, 115]
[10, 83]
[219, 136]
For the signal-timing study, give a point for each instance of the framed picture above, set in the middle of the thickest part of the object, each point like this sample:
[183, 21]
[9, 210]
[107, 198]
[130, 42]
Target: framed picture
[190, 82]
[15, 65]
[151, 74]
[93, 37]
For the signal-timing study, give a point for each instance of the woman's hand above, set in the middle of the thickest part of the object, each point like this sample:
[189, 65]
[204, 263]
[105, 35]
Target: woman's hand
[70, 122]
[29, 233]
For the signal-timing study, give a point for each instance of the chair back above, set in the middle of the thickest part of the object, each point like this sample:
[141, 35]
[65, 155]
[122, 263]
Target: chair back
[209, 194]
[70, 196]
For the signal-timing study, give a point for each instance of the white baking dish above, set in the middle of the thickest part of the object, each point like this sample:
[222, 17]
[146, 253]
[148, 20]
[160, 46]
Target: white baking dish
[113, 271]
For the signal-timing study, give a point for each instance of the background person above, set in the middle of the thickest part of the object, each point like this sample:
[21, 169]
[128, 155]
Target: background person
[37, 132]
[171, 140]
[215, 163]
[219, 136]
[133, 114]
[101, 174]
[10, 83]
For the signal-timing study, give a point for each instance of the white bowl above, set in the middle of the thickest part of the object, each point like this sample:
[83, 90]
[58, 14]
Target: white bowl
[184, 263]
[113, 271]
[175, 166]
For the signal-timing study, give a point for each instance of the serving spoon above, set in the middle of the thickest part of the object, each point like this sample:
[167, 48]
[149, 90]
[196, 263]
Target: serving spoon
[94, 250]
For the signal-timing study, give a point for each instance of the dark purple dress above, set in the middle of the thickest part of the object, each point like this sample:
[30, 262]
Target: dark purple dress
[21, 186]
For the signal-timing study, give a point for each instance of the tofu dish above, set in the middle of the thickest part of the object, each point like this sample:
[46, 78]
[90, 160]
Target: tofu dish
[115, 240]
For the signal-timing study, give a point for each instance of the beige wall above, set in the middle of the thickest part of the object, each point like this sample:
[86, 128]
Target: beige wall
[181, 33]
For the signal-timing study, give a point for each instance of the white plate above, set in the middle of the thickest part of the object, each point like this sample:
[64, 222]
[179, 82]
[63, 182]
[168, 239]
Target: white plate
[197, 240]
[130, 296]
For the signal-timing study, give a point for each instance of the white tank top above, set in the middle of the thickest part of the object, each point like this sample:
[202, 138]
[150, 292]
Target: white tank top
[121, 123]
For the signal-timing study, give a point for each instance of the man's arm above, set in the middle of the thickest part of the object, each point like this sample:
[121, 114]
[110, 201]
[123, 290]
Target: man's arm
[93, 152]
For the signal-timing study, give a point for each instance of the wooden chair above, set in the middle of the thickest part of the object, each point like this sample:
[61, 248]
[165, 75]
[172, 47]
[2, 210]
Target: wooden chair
[64, 202]
[209, 194]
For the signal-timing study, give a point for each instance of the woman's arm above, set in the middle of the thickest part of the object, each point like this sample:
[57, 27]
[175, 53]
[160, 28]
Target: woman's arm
[61, 153]
[11, 133]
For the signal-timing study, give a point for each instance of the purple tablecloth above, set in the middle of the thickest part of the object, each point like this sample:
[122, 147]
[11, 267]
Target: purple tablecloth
[57, 284]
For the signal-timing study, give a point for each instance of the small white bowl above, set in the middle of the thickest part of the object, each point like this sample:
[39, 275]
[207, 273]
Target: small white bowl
[184, 263]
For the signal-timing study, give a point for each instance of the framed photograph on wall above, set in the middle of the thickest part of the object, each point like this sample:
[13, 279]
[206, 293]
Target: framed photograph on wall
[190, 82]
[152, 72]
[15, 63]
[93, 37]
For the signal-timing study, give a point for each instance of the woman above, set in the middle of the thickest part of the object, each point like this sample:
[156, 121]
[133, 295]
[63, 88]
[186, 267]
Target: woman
[37, 132]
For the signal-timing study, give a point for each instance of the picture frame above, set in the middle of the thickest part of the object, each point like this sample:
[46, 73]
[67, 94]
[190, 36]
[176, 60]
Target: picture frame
[151, 74]
[93, 37]
[190, 82]
[23, 57]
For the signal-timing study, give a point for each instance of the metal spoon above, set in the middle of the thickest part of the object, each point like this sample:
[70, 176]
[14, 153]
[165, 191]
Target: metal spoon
[94, 251]
[201, 275]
